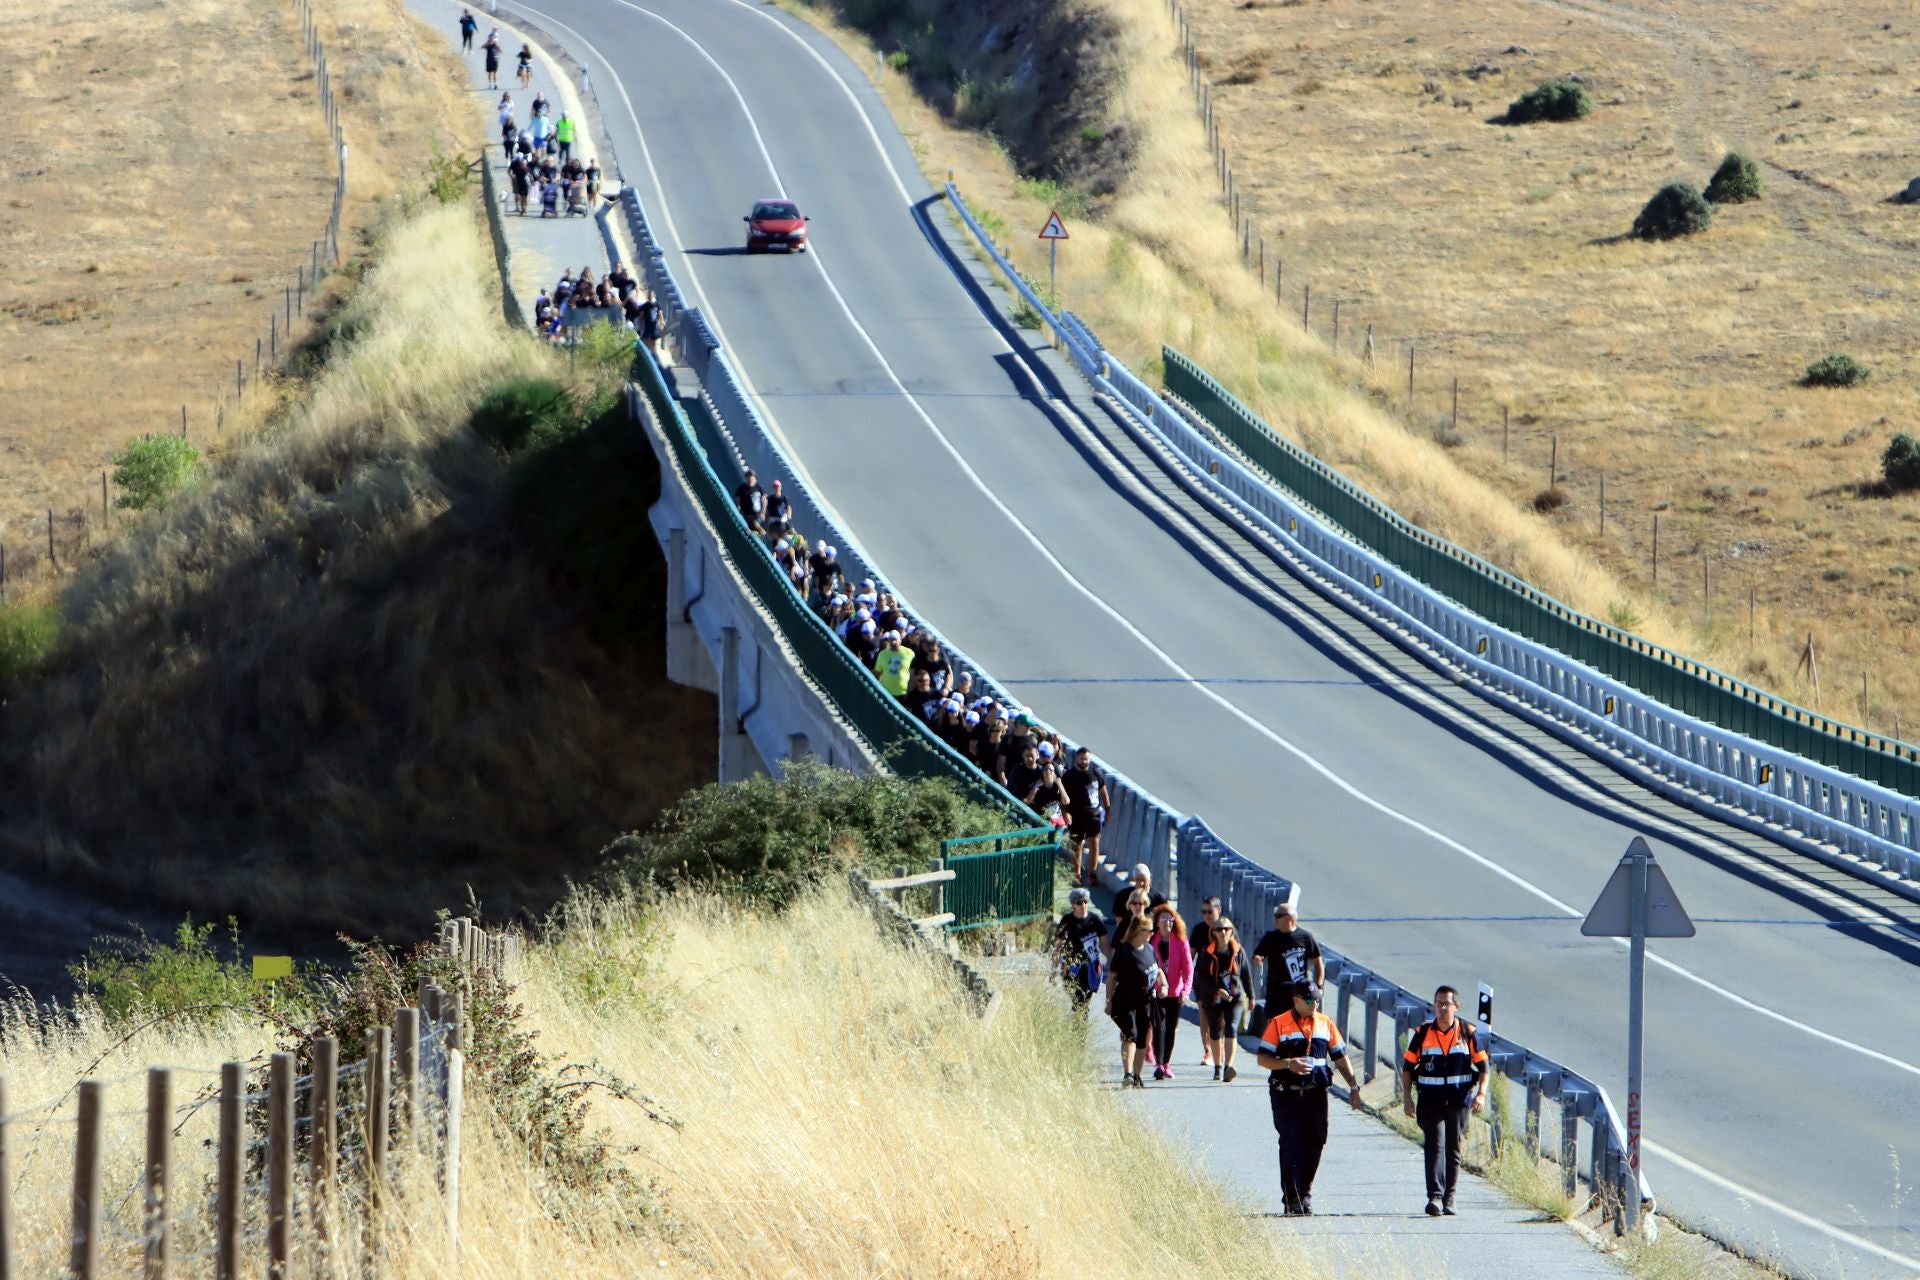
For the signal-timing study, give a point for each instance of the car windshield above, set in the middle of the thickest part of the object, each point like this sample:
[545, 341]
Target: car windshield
[775, 211]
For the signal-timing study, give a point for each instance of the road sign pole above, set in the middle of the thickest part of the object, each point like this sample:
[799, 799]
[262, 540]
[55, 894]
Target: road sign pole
[1053, 256]
[1636, 1006]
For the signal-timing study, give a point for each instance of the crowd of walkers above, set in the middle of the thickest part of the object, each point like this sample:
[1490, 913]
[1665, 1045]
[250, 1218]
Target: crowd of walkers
[618, 290]
[1004, 741]
[542, 158]
[1150, 964]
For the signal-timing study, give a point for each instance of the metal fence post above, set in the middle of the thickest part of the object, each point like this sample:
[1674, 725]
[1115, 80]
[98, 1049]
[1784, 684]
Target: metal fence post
[1533, 1115]
[279, 1164]
[1569, 1146]
[1371, 1042]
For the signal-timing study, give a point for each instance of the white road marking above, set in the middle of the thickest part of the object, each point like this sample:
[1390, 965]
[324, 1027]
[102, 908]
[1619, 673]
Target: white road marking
[1201, 687]
[1785, 1211]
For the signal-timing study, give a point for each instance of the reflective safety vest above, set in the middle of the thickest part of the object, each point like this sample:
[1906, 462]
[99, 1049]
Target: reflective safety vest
[563, 129]
[1316, 1039]
[1446, 1063]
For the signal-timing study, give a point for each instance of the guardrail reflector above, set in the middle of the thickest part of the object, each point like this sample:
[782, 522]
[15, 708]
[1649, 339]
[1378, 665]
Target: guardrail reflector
[1376, 582]
[1766, 774]
[1213, 468]
[1293, 526]
[1483, 645]
[1609, 705]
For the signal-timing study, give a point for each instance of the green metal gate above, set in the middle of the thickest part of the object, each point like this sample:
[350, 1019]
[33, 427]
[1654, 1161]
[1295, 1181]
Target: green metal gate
[1001, 879]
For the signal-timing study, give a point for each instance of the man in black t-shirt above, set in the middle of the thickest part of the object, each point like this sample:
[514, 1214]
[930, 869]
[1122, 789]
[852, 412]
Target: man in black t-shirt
[1291, 955]
[751, 499]
[1087, 803]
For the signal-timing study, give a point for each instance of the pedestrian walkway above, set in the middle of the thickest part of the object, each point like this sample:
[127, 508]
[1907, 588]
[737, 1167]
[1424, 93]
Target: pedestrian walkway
[1369, 1199]
[541, 248]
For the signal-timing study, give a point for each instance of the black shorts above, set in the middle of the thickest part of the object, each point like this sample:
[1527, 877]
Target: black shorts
[1134, 1022]
[1223, 1020]
[1083, 824]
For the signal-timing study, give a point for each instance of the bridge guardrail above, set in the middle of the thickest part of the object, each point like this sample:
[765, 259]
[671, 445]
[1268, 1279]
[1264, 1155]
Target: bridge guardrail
[1140, 828]
[1208, 865]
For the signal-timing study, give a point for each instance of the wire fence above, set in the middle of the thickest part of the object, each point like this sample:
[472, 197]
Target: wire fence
[56, 543]
[300, 1163]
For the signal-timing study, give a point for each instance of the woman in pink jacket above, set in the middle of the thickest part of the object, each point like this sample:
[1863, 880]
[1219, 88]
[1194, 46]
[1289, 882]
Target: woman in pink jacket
[1171, 949]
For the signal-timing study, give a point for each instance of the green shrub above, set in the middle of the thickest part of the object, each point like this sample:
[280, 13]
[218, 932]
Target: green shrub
[1736, 180]
[1554, 100]
[151, 470]
[514, 412]
[765, 839]
[1901, 463]
[448, 177]
[1835, 371]
[186, 978]
[605, 346]
[1067, 201]
[29, 634]
[1676, 210]
[899, 59]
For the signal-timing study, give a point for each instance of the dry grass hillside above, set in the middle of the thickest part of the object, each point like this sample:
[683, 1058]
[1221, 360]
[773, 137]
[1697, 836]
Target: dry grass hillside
[806, 1099]
[372, 664]
[1363, 140]
[150, 219]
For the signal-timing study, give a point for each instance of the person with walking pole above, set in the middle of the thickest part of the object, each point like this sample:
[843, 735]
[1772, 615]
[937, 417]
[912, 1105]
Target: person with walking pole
[1449, 1068]
[1300, 1048]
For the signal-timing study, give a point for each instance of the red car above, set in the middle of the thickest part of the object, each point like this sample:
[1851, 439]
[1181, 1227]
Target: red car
[776, 223]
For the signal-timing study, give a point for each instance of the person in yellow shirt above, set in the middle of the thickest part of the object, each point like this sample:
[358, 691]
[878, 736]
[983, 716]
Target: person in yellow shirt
[894, 664]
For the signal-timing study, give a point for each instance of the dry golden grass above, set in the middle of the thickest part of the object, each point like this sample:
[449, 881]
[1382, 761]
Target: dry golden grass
[1732, 466]
[165, 195]
[1367, 158]
[342, 681]
[837, 1108]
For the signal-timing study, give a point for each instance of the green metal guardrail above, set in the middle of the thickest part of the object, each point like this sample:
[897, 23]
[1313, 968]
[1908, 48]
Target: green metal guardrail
[1687, 686]
[907, 743]
[1001, 879]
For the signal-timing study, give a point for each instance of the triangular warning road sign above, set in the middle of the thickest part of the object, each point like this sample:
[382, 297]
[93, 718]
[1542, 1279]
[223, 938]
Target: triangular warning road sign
[1055, 229]
[1612, 916]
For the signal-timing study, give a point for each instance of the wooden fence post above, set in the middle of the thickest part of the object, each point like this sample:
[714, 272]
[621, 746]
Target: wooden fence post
[406, 1071]
[159, 1229]
[84, 1261]
[456, 1110]
[226, 1237]
[6, 1192]
[279, 1164]
[326, 1123]
[379, 1094]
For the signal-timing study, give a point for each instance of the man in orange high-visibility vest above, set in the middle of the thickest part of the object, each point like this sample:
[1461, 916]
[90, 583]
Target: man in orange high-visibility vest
[1447, 1065]
[1301, 1048]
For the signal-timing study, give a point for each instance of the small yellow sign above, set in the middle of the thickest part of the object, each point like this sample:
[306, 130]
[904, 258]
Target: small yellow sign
[1766, 774]
[268, 968]
[1609, 705]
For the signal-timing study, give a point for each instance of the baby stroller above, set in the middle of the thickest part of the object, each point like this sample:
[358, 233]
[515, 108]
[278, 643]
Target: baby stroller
[577, 197]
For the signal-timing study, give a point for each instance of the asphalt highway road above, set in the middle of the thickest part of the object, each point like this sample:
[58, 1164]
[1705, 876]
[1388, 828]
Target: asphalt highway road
[1783, 1091]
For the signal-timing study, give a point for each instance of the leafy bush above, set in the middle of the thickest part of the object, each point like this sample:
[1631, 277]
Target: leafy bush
[1068, 201]
[29, 634]
[1736, 180]
[186, 978]
[1900, 464]
[448, 177]
[899, 59]
[1676, 210]
[151, 470]
[516, 411]
[1554, 100]
[1835, 371]
[766, 839]
[607, 347]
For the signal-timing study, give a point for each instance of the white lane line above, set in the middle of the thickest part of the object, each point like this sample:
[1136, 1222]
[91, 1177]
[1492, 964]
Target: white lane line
[664, 209]
[1186, 677]
[1786, 1211]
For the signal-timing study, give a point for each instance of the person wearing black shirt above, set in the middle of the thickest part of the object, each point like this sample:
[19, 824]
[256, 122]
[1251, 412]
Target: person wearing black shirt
[1136, 980]
[1290, 955]
[1087, 803]
[751, 500]
[1142, 879]
[1023, 779]
[779, 512]
[1076, 943]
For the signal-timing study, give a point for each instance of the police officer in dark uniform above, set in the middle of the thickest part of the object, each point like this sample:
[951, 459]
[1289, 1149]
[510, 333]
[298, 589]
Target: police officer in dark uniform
[1447, 1064]
[1301, 1047]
